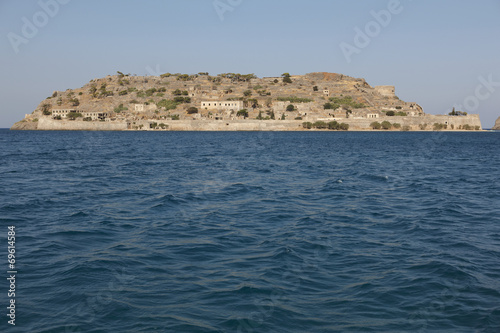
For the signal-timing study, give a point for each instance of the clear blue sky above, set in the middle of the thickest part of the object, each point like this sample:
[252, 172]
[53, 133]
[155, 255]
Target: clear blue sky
[433, 51]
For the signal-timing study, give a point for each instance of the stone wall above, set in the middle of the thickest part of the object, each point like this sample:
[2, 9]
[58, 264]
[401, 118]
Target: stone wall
[48, 124]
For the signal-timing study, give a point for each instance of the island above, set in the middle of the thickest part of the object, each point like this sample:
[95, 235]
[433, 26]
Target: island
[236, 102]
[497, 125]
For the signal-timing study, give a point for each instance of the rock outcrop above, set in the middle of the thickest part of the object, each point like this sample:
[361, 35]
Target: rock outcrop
[497, 125]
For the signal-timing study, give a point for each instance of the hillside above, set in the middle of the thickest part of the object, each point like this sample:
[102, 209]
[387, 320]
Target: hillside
[151, 102]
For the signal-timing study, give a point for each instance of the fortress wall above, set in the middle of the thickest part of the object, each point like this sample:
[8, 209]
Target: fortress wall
[360, 124]
[48, 124]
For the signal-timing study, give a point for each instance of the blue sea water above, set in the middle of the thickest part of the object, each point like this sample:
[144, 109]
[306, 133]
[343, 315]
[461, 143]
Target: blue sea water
[252, 231]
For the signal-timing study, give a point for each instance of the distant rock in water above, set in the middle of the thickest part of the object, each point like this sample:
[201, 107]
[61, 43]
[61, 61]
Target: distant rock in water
[497, 124]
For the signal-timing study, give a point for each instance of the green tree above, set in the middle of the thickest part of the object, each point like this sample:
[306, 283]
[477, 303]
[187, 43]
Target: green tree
[242, 113]
[247, 93]
[386, 125]
[390, 113]
[333, 125]
[376, 125]
[192, 110]
[320, 124]
[290, 108]
[286, 78]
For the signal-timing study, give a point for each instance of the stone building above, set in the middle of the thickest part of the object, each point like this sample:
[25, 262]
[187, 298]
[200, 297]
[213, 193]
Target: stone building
[222, 105]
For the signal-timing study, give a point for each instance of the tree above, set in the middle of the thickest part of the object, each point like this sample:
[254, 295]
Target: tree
[386, 125]
[290, 108]
[390, 113]
[344, 127]
[315, 88]
[283, 116]
[260, 115]
[45, 110]
[320, 124]
[333, 125]
[177, 92]
[329, 106]
[376, 125]
[192, 110]
[242, 113]
[452, 113]
[286, 78]
[247, 93]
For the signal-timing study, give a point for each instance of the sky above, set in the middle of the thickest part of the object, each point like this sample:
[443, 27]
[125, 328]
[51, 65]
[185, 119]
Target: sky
[438, 53]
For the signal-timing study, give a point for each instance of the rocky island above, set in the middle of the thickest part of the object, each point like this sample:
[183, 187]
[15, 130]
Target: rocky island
[235, 102]
[497, 125]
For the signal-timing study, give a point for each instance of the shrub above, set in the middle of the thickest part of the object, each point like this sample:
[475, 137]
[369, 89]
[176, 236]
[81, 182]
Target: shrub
[74, 115]
[346, 102]
[294, 99]
[290, 108]
[286, 78]
[344, 127]
[167, 104]
[307, 125]
[477, 128]
[396, 125]
[401, 114]
[150, 92]
[390, 113]
[87, 119]
[141, 94]
[192, 110]
[376, 125]
[466, 127]
[438, 127]
[328, 106]
[422, 126]
[120, 108]
[386, 125]
[177, 92]
[80, 93]
[123, 93]
[320, 124]
[315, 88]
[298, 118]
[175, 117]
[247, 93]
[333, 125]
[406, 128]
[398, 107]
[242, 113]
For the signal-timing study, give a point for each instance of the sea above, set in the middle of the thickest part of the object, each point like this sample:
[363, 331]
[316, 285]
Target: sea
[250, 231]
